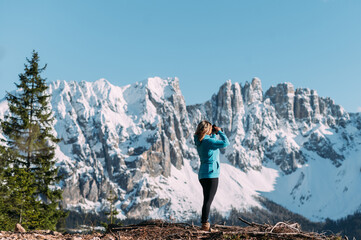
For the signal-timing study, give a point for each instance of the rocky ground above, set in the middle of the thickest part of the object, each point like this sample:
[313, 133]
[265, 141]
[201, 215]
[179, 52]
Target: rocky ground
[51, 235]
[157, 229]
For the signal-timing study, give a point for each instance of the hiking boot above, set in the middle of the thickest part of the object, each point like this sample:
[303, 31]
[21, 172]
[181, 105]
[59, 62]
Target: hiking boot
[206, 226]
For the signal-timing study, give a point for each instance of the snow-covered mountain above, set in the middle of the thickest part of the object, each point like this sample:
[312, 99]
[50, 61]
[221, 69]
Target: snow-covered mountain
[289, 145]
[312, 143]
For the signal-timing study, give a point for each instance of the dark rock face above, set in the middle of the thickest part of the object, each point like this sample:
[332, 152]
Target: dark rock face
[283, 96]
[323, 147]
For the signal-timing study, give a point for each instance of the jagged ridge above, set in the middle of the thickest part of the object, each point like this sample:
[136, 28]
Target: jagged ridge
[136, 140]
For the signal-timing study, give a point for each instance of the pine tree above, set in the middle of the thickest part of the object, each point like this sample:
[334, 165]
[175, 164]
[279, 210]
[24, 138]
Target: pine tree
[5, 220]
[32, 174]
[112, 211]
[15, 190]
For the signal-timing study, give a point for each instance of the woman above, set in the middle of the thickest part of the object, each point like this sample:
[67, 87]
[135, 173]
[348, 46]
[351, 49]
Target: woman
[208, 150]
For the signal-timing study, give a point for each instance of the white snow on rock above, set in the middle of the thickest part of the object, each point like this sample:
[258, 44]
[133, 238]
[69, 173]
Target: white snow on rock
[288, 145]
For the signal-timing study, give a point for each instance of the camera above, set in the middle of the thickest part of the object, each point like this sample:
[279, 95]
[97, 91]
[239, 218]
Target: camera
[214, 131]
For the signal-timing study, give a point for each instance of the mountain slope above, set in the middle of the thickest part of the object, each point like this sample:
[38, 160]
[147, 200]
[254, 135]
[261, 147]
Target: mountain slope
[289, 145]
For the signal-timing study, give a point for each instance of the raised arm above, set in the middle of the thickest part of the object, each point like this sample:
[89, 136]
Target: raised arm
[219, 143]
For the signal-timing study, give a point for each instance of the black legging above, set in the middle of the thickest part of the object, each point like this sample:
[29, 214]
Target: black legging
[209, 186]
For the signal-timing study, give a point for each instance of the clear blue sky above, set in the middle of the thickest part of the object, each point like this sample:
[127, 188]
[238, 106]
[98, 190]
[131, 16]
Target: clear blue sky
[310, 43]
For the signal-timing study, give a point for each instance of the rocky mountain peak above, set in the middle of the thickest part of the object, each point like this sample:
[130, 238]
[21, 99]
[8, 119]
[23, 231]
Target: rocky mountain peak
[137, 140]
[253, 92]
[303, 104]
[163, 88]
[282, 96]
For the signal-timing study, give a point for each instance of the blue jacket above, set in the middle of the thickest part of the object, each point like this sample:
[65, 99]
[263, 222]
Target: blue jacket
[208, 151]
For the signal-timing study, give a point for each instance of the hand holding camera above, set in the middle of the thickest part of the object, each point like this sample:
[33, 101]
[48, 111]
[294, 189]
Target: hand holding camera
[215, 129]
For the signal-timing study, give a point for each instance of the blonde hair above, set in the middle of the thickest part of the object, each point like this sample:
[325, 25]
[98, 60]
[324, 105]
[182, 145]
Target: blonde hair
[203, 128]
